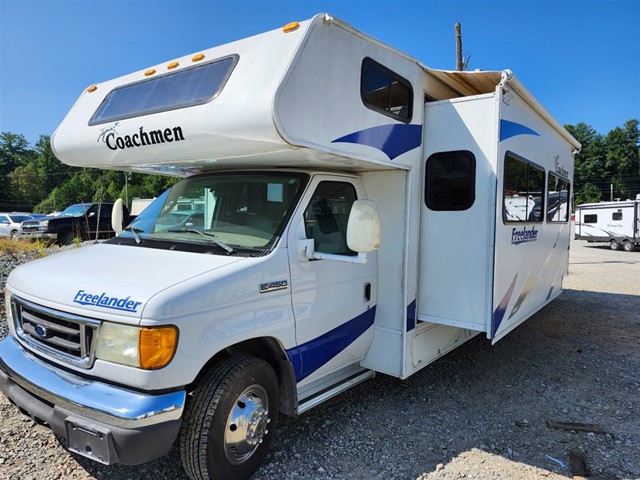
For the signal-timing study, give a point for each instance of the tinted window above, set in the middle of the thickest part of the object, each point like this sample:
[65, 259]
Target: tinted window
[385, 91]
[523, 195]
[617, 216]
[450, 182]
[327, 215]
[591, 218]
[187, 87]
[557, 199]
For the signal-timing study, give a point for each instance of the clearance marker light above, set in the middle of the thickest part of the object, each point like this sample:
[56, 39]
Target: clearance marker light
[172, 65]
[198, 57]
[290, 27]
[92, 88]
[149, 72]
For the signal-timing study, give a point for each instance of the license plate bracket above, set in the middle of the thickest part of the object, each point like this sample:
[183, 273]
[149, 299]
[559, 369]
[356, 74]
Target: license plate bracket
[89, 440]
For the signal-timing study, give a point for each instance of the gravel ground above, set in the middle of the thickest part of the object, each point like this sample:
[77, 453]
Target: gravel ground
[481, 412]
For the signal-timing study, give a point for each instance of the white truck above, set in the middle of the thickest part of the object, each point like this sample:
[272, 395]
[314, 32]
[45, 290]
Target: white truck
[356, 217]
[617, 223]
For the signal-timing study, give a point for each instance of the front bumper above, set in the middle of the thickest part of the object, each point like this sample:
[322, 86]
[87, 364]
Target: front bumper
[38, 236]
[103, 422]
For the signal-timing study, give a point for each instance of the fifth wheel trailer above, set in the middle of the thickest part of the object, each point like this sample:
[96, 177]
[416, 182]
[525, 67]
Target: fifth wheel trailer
[359, 213]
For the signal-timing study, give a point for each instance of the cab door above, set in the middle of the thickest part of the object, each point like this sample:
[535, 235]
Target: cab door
[333, 302]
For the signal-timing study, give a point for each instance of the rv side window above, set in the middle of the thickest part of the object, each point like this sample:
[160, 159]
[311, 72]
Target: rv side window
[523, 194]
[591, 218]
[617, 216]
[184, 88]
[557, 199]
[450, 181]
[385, 91]
[327, 215]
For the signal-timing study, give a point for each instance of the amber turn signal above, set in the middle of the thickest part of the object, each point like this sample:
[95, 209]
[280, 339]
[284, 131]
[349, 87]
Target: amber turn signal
[157, 346]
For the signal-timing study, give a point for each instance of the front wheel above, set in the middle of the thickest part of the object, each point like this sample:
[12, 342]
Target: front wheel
[230, 420]
[614, 245]
[628, 246]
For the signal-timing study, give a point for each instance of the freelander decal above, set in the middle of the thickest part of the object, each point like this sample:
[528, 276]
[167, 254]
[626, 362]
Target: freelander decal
[392, 140]
[103, 300]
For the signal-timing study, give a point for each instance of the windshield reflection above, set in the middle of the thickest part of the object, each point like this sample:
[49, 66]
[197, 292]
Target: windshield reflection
[239, 210]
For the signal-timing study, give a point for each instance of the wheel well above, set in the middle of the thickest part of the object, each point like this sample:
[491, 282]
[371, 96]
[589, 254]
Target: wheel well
[269, 350]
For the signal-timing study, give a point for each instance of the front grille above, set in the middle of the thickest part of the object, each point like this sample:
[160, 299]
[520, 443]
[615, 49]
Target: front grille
[29, 226]
[58, 334]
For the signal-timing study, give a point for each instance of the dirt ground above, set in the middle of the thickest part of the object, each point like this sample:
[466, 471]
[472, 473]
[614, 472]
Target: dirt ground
[481, 412]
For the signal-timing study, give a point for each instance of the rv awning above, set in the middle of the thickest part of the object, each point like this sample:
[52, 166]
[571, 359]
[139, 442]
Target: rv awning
[468, 83]
[480, 82]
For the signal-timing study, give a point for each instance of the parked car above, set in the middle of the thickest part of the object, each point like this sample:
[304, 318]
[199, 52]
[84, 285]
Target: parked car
[86, 221]
[10, 223]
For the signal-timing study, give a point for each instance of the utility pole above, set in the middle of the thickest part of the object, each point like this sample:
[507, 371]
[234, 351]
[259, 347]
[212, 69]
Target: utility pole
[459, 63]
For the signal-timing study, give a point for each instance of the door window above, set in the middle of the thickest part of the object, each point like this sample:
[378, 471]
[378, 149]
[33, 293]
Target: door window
[327, 215]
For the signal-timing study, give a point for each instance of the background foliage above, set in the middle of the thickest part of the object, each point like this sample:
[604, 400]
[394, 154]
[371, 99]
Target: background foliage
[33, 179]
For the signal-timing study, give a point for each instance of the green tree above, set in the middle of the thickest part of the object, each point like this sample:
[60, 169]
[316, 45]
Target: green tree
[14, 152]
[590, 164]
[623, 159]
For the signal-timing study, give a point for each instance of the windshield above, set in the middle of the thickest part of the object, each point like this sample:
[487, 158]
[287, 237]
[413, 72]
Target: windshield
[75, 210]
[20, 218]
[225, 211]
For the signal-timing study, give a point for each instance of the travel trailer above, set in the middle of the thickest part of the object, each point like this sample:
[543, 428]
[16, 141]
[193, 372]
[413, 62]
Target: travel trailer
[361, 214]
[617, 223]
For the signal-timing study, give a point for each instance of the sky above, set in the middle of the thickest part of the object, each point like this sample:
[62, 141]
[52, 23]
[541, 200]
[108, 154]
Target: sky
[579, 58]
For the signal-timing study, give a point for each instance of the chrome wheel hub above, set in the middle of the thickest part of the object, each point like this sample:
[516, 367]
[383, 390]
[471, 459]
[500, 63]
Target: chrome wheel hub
[247, 424]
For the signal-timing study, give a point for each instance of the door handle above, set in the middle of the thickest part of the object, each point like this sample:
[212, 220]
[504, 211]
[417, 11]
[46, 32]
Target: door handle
[367, 292]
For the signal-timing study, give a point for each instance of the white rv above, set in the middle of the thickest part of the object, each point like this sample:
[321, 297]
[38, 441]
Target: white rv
[615, 222]
[361, 213]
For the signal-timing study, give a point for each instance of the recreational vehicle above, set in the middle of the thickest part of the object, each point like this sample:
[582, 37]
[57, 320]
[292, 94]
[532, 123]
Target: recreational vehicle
[615, 222]
[361, 213]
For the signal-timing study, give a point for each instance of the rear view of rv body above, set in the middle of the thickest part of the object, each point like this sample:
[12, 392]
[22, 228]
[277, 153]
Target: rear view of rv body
[351, 211]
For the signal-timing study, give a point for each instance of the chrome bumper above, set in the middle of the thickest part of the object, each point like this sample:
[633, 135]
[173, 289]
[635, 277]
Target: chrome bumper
[37, 235]
[102, 422]
[99, 401]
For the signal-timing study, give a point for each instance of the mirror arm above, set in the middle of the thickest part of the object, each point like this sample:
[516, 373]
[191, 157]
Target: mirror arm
[310, 254]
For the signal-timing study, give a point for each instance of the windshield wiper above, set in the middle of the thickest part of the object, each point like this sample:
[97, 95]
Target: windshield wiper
[136, 232]
[208, 236]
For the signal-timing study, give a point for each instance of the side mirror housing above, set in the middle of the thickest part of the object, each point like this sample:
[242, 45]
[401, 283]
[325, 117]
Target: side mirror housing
[117, 216]
[363, 228]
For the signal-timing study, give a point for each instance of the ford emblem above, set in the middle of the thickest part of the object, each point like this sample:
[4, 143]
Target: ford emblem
[41, 331]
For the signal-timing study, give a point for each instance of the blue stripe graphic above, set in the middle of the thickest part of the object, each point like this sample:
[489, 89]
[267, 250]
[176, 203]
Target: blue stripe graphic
[498, 315]
[411, 316]
[511, 129]
[310, 356]
[393, 140]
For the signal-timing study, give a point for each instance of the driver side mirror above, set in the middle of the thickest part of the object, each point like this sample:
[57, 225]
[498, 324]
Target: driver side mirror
[363, 228]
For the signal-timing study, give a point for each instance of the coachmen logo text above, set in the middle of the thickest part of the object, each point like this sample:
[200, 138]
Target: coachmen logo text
[103, 300]
[114, 141]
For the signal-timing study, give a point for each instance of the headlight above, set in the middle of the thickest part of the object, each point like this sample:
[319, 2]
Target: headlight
[7, 307]
[147, 348]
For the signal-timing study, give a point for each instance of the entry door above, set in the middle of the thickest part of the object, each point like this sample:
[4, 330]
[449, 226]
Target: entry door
[333, 302]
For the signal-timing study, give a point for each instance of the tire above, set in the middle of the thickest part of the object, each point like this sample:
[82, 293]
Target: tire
[230, 420]
[614, 245]
[65, 238]
[13, 235]
[628, 246]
